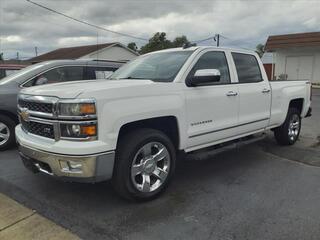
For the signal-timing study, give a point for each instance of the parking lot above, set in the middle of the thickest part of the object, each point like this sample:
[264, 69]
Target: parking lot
[261, 191]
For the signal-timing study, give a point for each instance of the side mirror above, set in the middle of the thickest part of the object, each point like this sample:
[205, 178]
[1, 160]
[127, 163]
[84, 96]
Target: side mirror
[205, 76]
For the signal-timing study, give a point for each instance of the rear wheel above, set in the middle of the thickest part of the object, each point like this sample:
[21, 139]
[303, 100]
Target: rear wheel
[145, 162]
[7, 136]
[288, 133]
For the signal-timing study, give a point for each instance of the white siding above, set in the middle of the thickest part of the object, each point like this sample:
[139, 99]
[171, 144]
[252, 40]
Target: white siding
[298, 63]
[114, 53]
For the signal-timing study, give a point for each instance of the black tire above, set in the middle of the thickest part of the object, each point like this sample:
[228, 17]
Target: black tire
[282, 133]
[9, 124]
[128, 147]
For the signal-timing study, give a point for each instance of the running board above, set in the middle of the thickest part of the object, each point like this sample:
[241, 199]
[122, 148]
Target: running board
[205, 153]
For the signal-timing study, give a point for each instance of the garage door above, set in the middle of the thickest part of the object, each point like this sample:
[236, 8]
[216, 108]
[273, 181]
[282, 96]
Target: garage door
[299, 68]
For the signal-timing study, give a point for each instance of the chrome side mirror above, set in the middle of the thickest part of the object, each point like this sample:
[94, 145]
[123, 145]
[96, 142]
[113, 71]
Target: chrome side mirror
[205, 76]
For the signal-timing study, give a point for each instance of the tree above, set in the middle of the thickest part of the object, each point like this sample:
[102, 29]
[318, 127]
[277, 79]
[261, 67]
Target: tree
[159, 41]
[260, 49]
[182, 41]
[133, 46]
[1, 57]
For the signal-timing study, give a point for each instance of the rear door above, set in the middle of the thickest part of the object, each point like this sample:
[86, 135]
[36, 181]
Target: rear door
[254, 94]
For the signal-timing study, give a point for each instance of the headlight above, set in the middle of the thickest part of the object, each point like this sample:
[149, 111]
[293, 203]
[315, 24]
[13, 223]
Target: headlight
[77, 109]
[82, 130]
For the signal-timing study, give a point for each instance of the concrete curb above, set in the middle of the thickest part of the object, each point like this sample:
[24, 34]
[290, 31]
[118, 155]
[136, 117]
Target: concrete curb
[18, 222]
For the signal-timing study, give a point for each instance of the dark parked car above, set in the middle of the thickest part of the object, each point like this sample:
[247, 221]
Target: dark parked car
[8, 69]
[38, 74]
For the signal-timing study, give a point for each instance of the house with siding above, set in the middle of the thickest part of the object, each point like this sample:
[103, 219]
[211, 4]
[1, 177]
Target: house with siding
[295, 56]
[116, 52]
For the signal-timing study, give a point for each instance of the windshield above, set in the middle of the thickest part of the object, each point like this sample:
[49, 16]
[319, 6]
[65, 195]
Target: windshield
[158, 67]
[19, 73]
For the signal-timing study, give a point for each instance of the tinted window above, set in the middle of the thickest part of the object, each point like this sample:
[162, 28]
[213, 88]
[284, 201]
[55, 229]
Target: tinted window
[99, 72]
[247, 68]
[57, 75]
[213, 60]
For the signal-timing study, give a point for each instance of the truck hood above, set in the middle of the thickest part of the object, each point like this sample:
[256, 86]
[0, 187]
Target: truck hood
[74, 89]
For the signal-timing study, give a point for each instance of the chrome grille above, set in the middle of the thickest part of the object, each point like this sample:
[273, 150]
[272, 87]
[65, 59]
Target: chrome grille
[36, 106]
[41, 129]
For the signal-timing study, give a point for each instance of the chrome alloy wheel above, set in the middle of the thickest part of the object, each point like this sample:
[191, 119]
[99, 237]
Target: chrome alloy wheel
[294, 127]
[4, 133]
[150, 167]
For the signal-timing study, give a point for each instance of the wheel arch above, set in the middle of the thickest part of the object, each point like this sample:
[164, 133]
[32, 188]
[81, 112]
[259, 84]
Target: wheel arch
[9, 114]
[296, 103]
[165, 124]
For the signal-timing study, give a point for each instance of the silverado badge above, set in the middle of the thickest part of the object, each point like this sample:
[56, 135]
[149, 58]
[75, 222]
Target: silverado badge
[24, 114]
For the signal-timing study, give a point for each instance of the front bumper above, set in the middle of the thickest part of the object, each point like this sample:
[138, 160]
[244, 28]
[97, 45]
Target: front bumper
[75, 168]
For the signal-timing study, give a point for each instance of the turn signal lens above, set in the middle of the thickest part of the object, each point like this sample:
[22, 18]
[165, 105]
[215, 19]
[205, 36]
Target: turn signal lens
[87, 108]
[89, 130]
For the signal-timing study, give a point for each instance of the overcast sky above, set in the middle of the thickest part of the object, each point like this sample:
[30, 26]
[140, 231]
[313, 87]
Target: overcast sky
[243, 23]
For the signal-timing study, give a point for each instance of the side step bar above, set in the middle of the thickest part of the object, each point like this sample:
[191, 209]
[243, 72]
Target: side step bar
[205, 153]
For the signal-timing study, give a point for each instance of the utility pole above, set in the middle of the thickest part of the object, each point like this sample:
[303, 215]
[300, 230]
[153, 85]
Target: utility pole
[17, 55]
[36, 51]
[218, 39]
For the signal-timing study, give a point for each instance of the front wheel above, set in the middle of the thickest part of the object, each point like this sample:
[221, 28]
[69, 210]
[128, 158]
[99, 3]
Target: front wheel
[7, 136]
[145, 162]
[288, 133]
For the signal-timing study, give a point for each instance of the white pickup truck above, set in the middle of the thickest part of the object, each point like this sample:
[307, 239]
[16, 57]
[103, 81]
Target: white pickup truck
[131, 127]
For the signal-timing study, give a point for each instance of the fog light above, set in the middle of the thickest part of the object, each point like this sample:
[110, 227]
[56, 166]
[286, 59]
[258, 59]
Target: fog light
[71, 166]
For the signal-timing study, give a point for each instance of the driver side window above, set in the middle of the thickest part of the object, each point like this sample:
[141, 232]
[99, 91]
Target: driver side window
[213, 60]
[57, 75]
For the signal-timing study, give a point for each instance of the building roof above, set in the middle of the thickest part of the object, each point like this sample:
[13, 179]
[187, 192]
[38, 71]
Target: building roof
[72, 52]
[309, 39]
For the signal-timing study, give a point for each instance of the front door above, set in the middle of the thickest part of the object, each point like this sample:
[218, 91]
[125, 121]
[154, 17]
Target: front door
[212, 110]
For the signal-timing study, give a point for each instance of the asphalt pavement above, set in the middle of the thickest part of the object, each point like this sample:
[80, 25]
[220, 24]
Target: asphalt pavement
[260, 191]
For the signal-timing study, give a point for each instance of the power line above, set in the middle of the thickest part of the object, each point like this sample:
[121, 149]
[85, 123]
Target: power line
[86, 23]
[202, 40]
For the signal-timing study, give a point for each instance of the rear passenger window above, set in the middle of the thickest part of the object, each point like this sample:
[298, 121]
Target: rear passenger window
[247, 68]
[213, 60]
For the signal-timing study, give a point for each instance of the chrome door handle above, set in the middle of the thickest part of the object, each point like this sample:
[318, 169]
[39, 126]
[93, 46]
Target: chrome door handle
[231, 93]
[266, 90]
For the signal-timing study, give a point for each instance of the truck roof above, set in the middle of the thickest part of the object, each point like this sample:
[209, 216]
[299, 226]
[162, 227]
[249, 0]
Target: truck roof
[200, 48]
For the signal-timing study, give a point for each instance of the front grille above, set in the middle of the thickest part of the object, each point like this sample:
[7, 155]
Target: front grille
[41, 129]
[36, 106]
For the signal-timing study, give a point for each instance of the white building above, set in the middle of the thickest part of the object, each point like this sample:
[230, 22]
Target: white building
[108, 52]
[295, 56]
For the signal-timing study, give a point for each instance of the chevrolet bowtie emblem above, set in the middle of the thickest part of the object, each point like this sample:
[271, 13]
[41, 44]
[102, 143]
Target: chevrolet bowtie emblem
[24, 114]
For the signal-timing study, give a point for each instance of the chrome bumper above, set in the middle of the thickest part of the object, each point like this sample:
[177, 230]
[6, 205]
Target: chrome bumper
[88, 168]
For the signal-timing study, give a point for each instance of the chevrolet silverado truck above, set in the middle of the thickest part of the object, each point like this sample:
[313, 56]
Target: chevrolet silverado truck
[131, 128]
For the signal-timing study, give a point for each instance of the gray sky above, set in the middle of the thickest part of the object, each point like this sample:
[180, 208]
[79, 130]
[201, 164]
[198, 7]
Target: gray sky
[244, 23]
